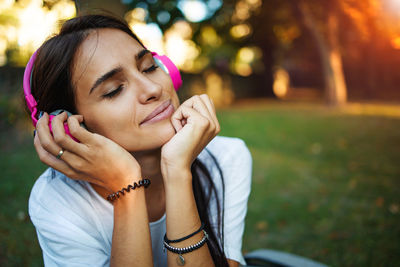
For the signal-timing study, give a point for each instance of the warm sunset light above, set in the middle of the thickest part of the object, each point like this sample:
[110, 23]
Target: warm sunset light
[179, 46]
[30, 24]
[245, 57]
[240, 31]
[176, 42]
[281, 83]
[210, 37]
[218, 89]
[396, 42]
[394, 4]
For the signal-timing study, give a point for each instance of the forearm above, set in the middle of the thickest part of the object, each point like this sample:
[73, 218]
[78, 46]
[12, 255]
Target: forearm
[183, 219]
[131, 242]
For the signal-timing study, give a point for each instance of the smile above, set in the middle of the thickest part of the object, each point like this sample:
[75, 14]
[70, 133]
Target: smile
[162, 112]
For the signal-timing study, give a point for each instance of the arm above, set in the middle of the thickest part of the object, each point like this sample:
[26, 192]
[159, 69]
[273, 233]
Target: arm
[196, 125]
[85, 161]
[131, 231]
[182, 220]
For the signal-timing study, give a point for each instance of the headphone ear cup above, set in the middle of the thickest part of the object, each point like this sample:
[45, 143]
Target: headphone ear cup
[169, 67]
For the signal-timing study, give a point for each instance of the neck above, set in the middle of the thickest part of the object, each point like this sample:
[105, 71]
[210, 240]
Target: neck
[150, 163]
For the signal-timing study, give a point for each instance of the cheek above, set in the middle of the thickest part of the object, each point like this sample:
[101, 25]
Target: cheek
[110, 118]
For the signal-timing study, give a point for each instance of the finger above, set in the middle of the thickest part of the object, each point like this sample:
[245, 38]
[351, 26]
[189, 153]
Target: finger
[177, 120]
[44, 135]
[52, 161]
[77, 131]
[49, 145]
[62, 139]
[208, 102]
[196, 103]
[190, 115]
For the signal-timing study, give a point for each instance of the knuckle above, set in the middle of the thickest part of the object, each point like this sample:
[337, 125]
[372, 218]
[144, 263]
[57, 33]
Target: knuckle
[195, 98]
[73, 129]
[36, 140]
[204, 123]
[77, 164]
[69, 173]
[45, 144]
[58, 138]
[217, 129]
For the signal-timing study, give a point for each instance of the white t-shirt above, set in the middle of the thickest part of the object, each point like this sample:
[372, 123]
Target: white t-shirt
[74, 224]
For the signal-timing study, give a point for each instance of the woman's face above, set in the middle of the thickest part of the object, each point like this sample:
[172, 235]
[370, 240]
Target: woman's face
[119, 87]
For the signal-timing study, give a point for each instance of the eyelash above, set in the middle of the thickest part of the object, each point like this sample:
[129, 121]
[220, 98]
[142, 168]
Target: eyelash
[151, 69]
[114, 92]
[119, 88]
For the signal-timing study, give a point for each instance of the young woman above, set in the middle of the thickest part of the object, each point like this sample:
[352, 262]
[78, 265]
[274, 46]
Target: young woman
[94, 205]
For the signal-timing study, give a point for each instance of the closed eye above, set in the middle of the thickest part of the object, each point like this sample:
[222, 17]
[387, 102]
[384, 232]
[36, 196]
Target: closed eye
[114, 92]
[151, 69]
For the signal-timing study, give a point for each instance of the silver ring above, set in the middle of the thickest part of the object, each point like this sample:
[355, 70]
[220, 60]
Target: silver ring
[60, 154]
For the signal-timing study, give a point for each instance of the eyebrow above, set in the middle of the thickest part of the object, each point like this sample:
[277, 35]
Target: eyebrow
[115, 71]
[105, 77]
[142, 54]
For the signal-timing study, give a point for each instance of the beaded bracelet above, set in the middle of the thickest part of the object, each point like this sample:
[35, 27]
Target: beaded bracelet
[180, 260]
[114, 196]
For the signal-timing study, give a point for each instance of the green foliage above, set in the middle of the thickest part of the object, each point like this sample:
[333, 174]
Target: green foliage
[325, 185]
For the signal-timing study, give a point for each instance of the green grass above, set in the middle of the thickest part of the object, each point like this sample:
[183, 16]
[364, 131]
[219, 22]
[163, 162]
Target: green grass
[19, 167]
[325, 185]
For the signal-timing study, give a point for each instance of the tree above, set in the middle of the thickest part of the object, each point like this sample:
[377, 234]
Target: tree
[274, 26]
[326, 20]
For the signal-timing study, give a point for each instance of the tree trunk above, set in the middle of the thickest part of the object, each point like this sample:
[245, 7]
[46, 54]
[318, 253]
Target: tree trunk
[331, 59]
[115, 8]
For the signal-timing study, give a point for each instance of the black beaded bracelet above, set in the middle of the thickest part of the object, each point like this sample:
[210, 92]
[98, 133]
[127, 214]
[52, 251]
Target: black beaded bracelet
[114, 196]
[180, 260]
[166, 240]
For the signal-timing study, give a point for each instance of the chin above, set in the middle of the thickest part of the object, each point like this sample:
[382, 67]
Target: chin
[156, 136]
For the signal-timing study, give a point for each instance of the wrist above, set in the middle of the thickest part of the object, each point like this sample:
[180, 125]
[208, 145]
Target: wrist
[177, 178]
[124, 179]
[126, 193]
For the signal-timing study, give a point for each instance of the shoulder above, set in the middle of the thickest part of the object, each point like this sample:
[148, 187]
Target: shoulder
[53, 190]
[65, 215]
[232, 157]
[56, 199]
[229, 150]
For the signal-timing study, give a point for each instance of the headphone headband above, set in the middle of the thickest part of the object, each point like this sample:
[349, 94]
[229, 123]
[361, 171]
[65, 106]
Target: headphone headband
[171, 69]
[30, 100]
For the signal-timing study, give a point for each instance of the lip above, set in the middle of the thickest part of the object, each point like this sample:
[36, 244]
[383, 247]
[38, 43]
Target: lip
[161, 112]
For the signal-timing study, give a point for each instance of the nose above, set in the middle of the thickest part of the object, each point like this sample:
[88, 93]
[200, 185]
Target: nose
[147, 89]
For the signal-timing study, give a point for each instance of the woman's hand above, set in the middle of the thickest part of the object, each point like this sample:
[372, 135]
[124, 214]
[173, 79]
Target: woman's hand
[196, 125]
[95, 159]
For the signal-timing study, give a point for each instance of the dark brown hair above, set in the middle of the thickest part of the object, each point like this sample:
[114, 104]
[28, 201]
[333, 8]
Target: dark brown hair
[52, 88]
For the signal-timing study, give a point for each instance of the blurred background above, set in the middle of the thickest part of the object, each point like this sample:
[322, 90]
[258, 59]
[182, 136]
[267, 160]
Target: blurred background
[311, 86]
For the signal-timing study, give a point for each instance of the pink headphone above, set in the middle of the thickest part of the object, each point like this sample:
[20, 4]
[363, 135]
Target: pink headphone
[162, 61]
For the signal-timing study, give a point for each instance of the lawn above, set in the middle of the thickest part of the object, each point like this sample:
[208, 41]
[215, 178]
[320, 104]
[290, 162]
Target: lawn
[325, 185]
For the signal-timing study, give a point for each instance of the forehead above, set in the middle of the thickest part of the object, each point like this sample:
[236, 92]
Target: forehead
[102, 50]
